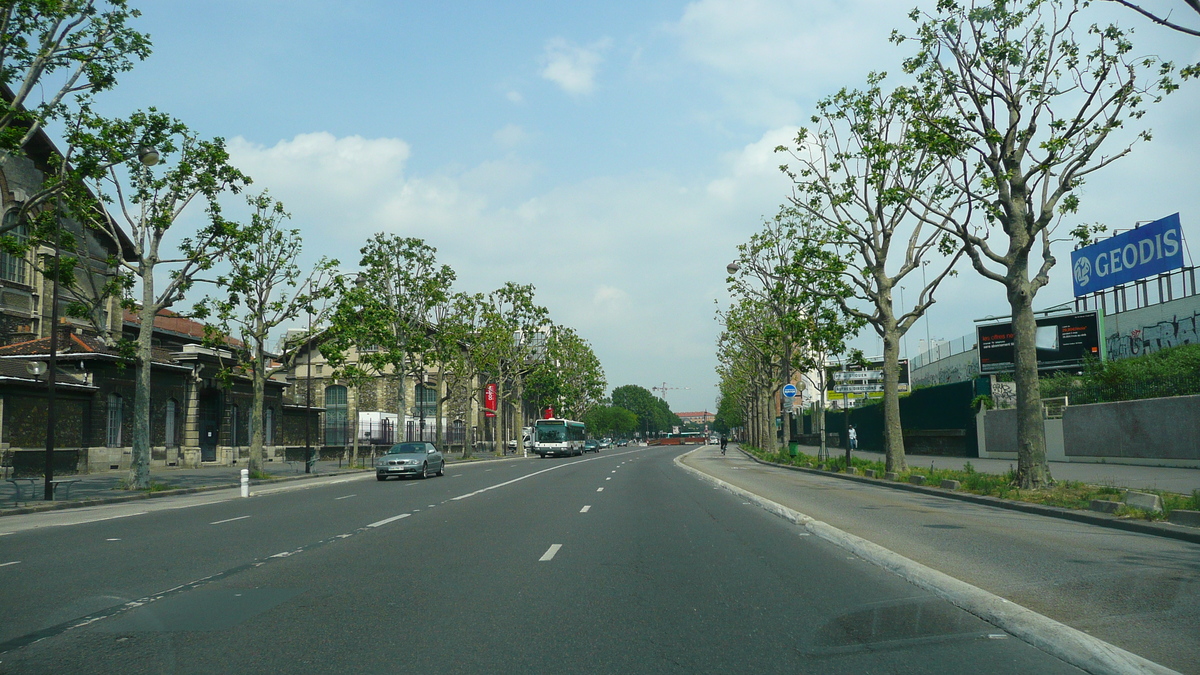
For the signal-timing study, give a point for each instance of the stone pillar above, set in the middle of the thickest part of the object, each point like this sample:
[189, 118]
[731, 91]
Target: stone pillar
[189, 449]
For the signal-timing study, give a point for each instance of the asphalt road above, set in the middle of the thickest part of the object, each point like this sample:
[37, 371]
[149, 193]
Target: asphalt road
[1136, 591]
[616, 563]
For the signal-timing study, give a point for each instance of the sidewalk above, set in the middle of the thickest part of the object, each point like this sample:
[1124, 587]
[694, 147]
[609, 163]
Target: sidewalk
[1167, 478]
[109, 483]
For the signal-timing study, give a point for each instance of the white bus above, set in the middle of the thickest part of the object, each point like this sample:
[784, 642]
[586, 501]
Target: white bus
[558, 437]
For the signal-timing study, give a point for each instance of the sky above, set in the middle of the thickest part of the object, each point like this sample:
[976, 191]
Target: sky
[613, 154]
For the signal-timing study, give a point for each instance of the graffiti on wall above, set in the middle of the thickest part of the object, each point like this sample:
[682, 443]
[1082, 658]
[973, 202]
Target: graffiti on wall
[1156, 336]
[1004, 394]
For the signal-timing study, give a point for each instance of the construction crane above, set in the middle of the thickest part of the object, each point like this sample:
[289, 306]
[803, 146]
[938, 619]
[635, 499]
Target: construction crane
[664, 389]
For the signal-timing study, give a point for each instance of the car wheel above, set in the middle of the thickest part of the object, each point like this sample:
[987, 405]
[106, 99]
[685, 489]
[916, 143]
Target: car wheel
[425, 470]
[442, 469]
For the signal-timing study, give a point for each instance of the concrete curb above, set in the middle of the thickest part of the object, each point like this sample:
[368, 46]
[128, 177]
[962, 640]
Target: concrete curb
[120, 499]
[1059, 640]
[1180, 532]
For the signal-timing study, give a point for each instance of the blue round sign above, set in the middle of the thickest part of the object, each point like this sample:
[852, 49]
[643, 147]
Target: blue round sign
[789, 390]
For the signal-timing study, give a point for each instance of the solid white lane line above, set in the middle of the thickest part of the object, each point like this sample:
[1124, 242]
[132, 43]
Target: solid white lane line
[585, 509]
[228, 520]
[599, 489]
[97, 520]
[549, 554]
[529, 475]
[15, 562]
[385, 521]
[341, 498]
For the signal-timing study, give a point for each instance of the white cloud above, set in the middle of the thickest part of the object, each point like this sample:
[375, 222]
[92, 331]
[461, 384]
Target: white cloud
[510, 136]
[514, 96]
[571, 67]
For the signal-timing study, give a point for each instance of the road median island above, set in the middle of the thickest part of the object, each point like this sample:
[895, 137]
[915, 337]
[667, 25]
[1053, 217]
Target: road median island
[1070, 501]
[1072, 646]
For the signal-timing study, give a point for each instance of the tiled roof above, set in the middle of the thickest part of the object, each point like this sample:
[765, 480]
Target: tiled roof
[75, 345]
[170, 321]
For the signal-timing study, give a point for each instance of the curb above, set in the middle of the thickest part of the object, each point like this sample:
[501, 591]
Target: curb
[1180, 532]
[120, 499]
[1059, 640]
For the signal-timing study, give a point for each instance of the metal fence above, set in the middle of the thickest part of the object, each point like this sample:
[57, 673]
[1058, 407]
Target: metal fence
[1155, 290]
[942, 349]
[1080, 392]
[383, 432]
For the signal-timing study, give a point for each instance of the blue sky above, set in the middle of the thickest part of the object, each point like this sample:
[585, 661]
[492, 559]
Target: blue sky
[611, 153]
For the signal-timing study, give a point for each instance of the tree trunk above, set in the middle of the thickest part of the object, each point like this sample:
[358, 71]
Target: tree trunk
[1032, 469]
[893, 432]
[139, 465]
[501, 441]
[354, 430]
[256, 412]
[519, 417]
[785, 412]
[437, 397]
[401, 412]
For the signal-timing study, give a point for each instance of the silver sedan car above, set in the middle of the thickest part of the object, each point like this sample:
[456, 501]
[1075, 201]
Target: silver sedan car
[410, 459]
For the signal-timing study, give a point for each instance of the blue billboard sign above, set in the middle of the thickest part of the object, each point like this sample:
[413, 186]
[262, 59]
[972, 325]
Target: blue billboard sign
[1144, 251]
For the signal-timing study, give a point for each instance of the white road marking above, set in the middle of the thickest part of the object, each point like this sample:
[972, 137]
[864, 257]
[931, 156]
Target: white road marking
[341, 498]
[97, 520]
[549, 554]
[609, 478]
[585, 509]
[114, 539]
[599, 489]
[385, 521]
[15, 562]
[613, 471]
[5, 534]
[530, 475]
[455, 475]
[228, 520]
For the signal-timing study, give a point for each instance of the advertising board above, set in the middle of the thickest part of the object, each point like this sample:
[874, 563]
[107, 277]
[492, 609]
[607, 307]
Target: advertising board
[1063, 342]
[1144, 251]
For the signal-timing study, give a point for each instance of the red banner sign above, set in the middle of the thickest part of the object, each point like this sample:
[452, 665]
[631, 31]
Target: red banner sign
[489, 401]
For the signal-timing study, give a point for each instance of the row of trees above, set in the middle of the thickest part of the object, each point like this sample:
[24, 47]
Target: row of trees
[1008, 107]
[129, 180]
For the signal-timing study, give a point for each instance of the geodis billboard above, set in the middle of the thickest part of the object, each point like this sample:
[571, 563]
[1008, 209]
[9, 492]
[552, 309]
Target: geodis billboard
[1144, 251]
[1063, 342]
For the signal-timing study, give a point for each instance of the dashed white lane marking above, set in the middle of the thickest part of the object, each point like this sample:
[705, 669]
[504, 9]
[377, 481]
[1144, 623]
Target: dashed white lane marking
[549, 554]
[228, 520]
[609, 478]
[5, 534]
[385, 521]
[613, 471]
[112, 539]
[585, 509]
[599, 489]
[336, 499]
[15, 562]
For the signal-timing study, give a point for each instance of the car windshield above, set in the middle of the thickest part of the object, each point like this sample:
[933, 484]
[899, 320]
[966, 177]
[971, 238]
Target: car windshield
[407, 449]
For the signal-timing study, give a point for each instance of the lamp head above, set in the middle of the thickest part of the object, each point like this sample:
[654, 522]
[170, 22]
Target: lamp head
[733, 268]
[147, 155]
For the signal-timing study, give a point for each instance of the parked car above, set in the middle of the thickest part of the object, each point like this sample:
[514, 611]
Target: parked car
[410, 459]
[591, 445]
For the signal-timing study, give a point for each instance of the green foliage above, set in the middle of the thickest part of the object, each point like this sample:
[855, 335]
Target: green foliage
[569, 376]
[603, 420]
[982, 402]
[1174, 371]
[653, 413]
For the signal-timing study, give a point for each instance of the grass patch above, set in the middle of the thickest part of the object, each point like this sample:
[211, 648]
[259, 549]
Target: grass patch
[260, 475]
[1065, 494]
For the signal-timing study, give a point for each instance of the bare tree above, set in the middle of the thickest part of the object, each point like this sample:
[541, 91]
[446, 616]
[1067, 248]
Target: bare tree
[1164, 20]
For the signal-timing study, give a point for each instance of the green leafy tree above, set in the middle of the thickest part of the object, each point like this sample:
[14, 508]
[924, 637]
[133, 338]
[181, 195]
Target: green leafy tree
[54, 56]
[569, 378]
[1026, 104]
[604, 420]
[264, 288]
[653, 413]
[855, 175]
[150, 202]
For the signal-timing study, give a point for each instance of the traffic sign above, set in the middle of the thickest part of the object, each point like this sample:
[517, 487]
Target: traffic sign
[857, 388]
[789, 390]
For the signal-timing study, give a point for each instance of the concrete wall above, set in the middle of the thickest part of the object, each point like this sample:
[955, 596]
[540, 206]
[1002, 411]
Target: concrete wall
[1149, 329]
[1157, 431]
[1149, 429]
[958, 368]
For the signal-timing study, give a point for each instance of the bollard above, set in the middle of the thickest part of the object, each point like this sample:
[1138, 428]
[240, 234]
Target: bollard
[245, 482]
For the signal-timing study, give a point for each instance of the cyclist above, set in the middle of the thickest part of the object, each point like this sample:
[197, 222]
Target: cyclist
[724, 442]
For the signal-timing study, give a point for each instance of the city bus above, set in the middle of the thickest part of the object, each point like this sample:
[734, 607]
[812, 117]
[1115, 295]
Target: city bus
[558, 437]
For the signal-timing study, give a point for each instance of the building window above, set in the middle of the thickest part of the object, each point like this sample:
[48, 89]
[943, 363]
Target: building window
[426, 400]
[233, 424]
[115, 415]
[269, 426]
[13, 267]
[170, 439]
[336, 415]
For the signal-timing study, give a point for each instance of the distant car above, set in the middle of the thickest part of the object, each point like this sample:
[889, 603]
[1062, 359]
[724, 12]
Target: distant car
[591, 445]
[622, 443]
[410, 459]
[605, 443]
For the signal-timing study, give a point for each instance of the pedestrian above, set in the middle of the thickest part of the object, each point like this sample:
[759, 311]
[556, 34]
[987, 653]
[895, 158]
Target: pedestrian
[852, 435]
